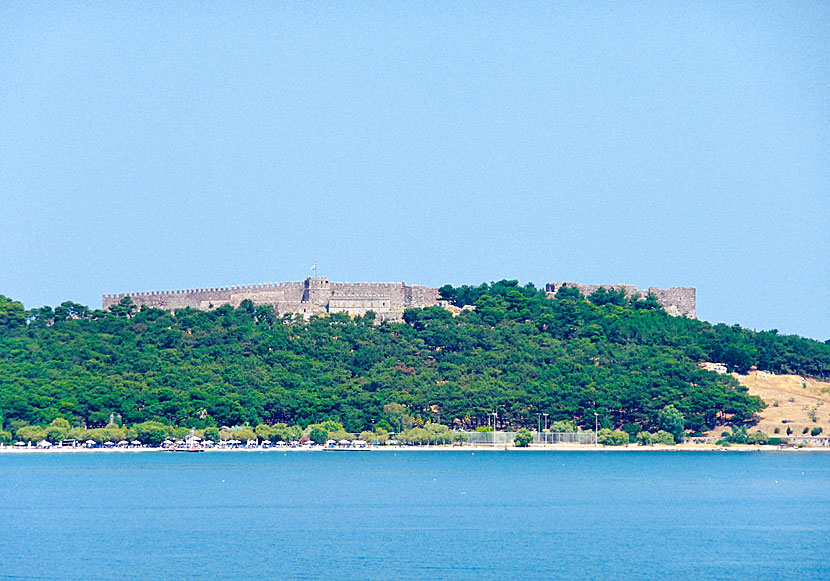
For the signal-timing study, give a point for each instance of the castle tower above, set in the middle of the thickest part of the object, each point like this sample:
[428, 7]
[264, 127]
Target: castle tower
[317, 291]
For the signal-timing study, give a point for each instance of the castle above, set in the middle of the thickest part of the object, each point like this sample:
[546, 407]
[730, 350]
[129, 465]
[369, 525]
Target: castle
[319, 296]
[679, 301]
[313, 296]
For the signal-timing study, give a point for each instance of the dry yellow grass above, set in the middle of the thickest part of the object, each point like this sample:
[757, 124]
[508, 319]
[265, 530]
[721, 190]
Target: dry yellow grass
[792, 401]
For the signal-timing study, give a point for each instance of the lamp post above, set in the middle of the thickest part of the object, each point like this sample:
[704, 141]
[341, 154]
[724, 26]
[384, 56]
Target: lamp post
[539, 426]
[494, 414]
[596, 429]
[546, 429]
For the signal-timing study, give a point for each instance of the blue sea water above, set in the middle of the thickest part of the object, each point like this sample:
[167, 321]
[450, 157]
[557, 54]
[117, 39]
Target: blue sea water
[407, 515]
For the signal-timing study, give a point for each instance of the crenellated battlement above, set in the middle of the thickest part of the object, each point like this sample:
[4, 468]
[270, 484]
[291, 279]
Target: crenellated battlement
[315, 295]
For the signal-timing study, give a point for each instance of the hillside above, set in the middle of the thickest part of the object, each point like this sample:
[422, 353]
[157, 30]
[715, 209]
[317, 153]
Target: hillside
[792, 401]
[517, 353]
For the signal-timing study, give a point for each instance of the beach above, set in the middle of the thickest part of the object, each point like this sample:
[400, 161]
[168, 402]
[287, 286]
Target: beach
[633, 448]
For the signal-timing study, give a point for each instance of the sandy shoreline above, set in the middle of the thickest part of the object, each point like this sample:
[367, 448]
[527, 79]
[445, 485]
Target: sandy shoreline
[467, 448]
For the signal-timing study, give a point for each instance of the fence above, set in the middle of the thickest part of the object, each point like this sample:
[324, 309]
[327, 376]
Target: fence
[539, 438]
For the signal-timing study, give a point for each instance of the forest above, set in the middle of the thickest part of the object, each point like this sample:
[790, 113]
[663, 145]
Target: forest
[608, 358]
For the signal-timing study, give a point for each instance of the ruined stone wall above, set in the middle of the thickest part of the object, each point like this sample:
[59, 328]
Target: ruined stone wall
[679, 301]
[315, 295]
[212, 297]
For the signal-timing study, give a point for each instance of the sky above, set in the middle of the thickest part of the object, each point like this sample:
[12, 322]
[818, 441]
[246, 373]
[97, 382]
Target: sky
[161, 145]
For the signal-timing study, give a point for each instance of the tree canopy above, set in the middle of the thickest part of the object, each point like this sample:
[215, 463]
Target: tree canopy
[518, 353]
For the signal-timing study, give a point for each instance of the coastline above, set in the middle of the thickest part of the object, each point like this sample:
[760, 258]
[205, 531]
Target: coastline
[466, 448]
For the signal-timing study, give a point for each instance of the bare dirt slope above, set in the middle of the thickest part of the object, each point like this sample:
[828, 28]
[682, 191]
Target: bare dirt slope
[792, 401]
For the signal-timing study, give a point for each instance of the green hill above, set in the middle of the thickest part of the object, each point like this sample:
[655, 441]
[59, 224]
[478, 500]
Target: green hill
[517, 353]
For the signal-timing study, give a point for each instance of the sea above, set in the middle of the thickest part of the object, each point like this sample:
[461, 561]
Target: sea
[415, 515]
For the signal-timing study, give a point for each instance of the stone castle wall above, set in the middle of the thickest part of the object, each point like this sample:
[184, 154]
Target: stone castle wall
[319, 296]
[679, 301]
[313, 296]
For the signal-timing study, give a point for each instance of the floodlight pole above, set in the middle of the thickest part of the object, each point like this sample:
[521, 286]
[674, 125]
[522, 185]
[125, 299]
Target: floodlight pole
[494, 414]
[546, 429]
[596, 430]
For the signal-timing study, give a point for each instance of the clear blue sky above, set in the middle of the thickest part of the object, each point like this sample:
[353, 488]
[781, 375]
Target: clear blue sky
[163, 145]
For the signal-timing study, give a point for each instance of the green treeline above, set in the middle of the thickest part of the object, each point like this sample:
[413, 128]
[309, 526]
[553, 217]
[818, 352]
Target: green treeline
[518, 353]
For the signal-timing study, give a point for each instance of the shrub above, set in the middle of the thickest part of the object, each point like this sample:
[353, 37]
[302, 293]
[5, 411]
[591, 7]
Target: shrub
[212, 434]
[55, 434]
[646, 438]
[31, 434]
[381, 435]
[775, 441]
[663, 437]
[738, 436]
[608, 437]
[286, 433]
[246, 434]
[672, 421]
[318, 435]
[264, 432]
[61, 423]
[815, 431]
[632, 430]
[151, 433]
[523, 438]
[563, 426]
[757, 438]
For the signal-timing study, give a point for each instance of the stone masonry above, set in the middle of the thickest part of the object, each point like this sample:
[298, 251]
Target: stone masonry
[679, 301]
[313, 296]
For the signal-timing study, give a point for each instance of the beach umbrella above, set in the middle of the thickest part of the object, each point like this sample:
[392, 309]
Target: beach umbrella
[136, 442]
[90, 442]
[20, 444]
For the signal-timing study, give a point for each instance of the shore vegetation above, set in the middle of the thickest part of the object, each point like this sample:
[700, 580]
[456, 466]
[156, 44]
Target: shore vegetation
[618, 362]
